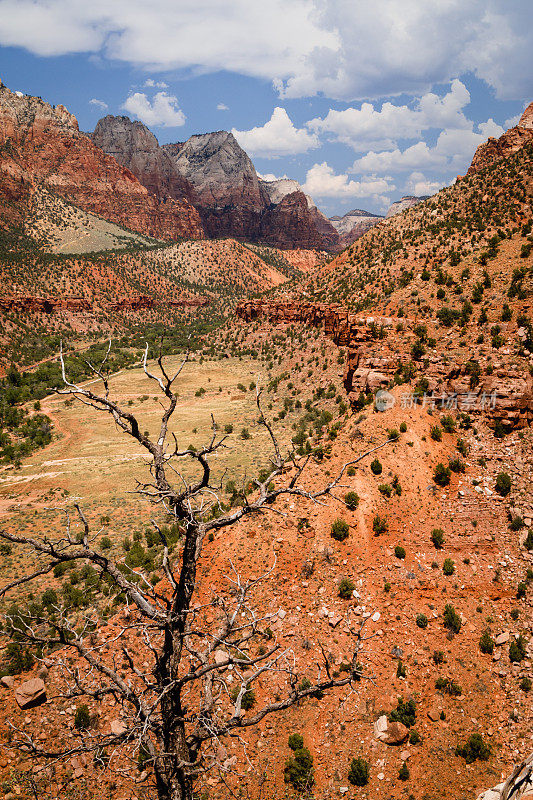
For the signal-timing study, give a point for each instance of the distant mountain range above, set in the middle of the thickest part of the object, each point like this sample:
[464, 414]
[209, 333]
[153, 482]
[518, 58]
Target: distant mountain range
[206, 186]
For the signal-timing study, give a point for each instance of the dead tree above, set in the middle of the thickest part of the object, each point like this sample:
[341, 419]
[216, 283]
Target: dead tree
[179, 710]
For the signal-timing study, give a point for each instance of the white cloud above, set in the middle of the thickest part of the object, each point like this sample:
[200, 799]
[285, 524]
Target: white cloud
[452, 152]
[222, 107]
[367, 127]
[277, 137]
[341, 48]
[151, 84]
[418, 185]
[162, 110]
[98, 103]
[321, 181]
[512, 121]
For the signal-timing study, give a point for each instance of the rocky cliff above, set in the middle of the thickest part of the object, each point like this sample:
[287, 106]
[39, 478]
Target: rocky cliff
[353, 224]
[217, 176]
[135, 147]
[41, 145]
[408, 201]
[510, 142]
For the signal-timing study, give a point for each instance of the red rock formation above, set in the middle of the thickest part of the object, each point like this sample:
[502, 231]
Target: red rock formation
[511, 141]
[48, 305]
[41, 144]
[506, 396]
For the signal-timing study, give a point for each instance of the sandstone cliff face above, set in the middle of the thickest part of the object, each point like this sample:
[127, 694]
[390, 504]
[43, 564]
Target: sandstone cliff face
[408, 201]
[42, 145]
[135, 147]
[511, 141]
[353, 224]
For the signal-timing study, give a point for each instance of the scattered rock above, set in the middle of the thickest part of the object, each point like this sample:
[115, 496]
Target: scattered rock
[31, 693]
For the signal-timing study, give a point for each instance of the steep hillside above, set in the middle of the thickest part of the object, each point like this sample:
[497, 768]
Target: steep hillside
[41, 145]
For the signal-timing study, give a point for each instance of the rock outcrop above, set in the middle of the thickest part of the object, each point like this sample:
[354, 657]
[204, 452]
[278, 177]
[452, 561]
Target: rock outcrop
[215, 174]
[353, 224]
[31, 693]
[510, 142]
[506, 396]
[48, 305]
[135, 147]
[408, 201]
[41, 145]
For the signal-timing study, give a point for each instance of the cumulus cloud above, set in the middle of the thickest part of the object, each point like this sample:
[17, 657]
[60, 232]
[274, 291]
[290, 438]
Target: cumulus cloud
[321, 181]
[344, 49]
[162, 110]
[98, 103]
[151, 84]
[222, 107]
[418, 184]
[277, 137]
[452, 151]
[367, 127]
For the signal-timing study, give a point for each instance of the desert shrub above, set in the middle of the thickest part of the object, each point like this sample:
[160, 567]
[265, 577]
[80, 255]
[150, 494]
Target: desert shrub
[351, 471]
[452, 620]
[529, 540]
[16, 659]
[526, 684]
[405, 712]
[437, 537]
[379, 525]
[486, 643]
[376, 467]
[457, 465]
[421, 621]
[399, 551]
[245, 434]
[105, 543]
[503, 483]
[438, 657]
[296, 741]
[346, 587]
[82, 718]
[441, 475]
[340, 530]
[448, 567]
[436, 433]
[401, 669]
[299, 768]
[516, 523]
[414, 737]
[403, 774]
[385, 489]
[403, 427]
[228, 428]
[462, 447]
[517, 650]
[474, 749]
[448, 686]
[359, 772]
[352, 500]
[521, 590]
[448, 423]
[247, 700]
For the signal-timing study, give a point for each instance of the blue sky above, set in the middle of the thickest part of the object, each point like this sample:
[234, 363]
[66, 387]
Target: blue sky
[360, 102]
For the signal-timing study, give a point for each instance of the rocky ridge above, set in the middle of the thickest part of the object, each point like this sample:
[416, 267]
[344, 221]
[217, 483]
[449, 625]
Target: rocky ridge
[42, 145]
[510, 142]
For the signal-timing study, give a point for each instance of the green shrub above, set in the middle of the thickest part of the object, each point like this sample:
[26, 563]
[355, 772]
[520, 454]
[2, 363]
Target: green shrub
[401, 669]
[403, 774]
[437, 537]
[414, 737]
[521, 590]
[385, 489]
[421, 621]
[346, 587]
[379, 525]
[351, 471]
[526, 684]
[82, 718]
[376, 467]
[517, 650]
[245, 434]
[448, 423]
[452, 620]
[247, 700]
[441, 475]
[486, 643]
[352, 500]
[105, 543]
[403, 427]
[436, 433]
[405, 712]
[448, 567]
[296, 741]
[474, 749]
[340, 530]
[359, 772]
[503, 483]
[457, 465]
[299, 770]
[399, 551]
[529, 540]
